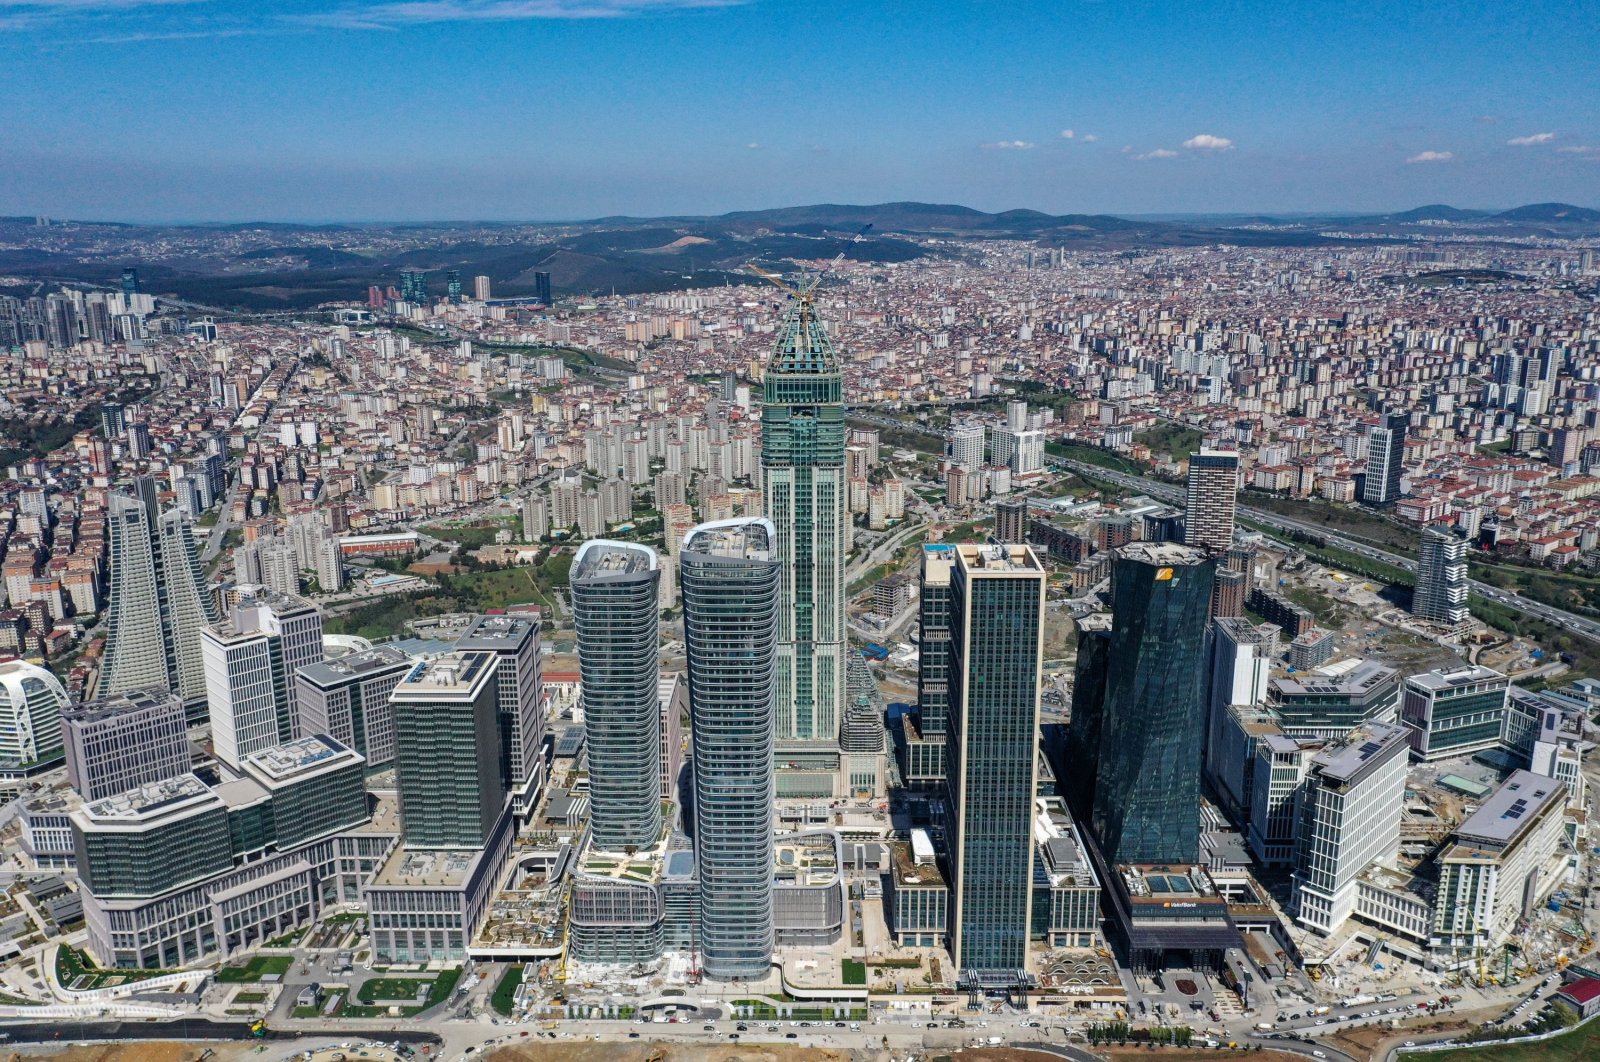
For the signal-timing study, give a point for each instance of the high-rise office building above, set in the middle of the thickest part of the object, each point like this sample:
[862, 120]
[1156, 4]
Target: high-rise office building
[481, 288]
[31, 703]
[1082, 743]
[802, 466]
[1212, 495]
[124, 742]
[348, 698]
[414, 287]
[158, 602]
[729, 582]
[519, 700]
[1011, 521]
[541, 288]
[1455, 711]
[615, 605]
[447, 752]
[452, 284]
[1386, 453]
[250, 664]
[1441, 593]
[1349, 818]
[1147, 794]
[113, 420]
[130, 281]
[996, 640]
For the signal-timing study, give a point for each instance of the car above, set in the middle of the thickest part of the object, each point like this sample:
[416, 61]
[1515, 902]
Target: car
[633, 1035]
[710, 1028]
[742, 1027]
[838, 1025]
[791, 1036]
[933, 1025]
[1294, 1017]
[1318, 1054]
[1411, 1043]
[1322, 1021]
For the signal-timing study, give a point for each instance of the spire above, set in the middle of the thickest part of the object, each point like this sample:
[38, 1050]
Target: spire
[803, 347]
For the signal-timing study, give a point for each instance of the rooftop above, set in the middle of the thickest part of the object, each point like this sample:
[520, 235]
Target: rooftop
[742, 538]
[121, 704]
[1510, 810]
[1361, 752]
[454, 672]
[497, 633]
[1163, 553]
[300, 757]
[1344, 680]
[152, 800]
[426, 867]
[355, 665]
[1452, 678]
[601, 558]
[998, 560]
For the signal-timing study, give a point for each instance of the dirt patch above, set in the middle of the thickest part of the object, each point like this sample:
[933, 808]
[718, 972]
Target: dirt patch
[1366, 1043]
[641, 1051]
[140, 1051]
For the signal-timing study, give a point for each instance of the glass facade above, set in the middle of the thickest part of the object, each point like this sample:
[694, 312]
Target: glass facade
[616, 603]
[803, 473]
[729, 582]
[448, 752]
[1147, 797]
[997, 609]
[144, 862]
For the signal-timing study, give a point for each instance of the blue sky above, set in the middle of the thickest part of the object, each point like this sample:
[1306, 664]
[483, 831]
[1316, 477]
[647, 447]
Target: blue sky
[551, 109]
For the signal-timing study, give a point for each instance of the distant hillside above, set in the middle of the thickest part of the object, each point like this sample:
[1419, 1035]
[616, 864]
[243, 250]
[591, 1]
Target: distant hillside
[1551, 212]
[1436, 212]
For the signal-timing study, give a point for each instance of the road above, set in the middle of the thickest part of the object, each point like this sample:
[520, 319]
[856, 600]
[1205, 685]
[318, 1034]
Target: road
[1175, 495]
[883, 551]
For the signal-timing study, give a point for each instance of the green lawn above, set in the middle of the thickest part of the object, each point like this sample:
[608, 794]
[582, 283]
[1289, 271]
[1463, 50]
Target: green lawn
[1095, 455]
[391, 989]
[506, 990]
[72, 964]
[379, 994]
[258, 967]
[1173, 440]
[1577, 1045]
[474, 535]
[855, 972]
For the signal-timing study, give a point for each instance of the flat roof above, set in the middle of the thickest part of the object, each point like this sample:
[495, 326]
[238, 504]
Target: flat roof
[1448, 678]
[497, 633]
[453, 673]
[301, 757]
[601, 559]
[1361, 751]
[1510, 809]
[122, 704]
[152, 800]
[1163, 553]
[427, 867]
[998, 560]
[1360, 679]
[359, 664]
[742, 538]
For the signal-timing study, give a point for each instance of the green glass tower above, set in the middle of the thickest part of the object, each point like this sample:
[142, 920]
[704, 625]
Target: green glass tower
[802, 465]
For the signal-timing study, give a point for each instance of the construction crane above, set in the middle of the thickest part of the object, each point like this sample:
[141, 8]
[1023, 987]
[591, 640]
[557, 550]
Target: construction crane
[808, 286]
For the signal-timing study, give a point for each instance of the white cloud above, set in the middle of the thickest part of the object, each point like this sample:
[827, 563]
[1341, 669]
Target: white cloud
[1010, 145]
[1067, 134]
[1158, 153]
[1489, 119]
[1207, 142]
[1089, 138]
[420, 12]
[753, 146]
[1577, 149]
[1531, 138]
[1432, 156]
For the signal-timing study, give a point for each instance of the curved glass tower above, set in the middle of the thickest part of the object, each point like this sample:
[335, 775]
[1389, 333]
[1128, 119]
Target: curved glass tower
[729, 574]
[616, 603]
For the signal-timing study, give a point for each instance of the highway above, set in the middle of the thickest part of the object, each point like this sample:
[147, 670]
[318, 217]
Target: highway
[1175, 495]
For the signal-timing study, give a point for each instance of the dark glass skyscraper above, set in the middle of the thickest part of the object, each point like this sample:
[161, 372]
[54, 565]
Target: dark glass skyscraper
[1147, 796]
[1386, 453]
[728, 576]
[997, 618]
[802, 466]
[615, 605]
[447, 752]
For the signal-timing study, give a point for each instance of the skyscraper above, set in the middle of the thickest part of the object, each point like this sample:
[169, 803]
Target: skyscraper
[1011, 521]
[1441, 593]
[124, 742]
[1147, 795]
[615, 604]
[802, 464]
[448, 752]
[481, 288]
[1386, 452]
[997, 630]
[541, 288]
[414, 286]
[158, 605]
[31, 703]
[452, 284]
[130, 281]
[250, 662]
[513, 641]
[729, 580]
[1213, 491]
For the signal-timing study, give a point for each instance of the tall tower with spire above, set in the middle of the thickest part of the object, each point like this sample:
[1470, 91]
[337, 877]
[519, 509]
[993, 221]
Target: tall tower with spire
[803, 476]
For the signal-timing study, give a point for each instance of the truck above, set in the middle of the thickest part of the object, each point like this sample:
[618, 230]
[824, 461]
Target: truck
[1356, 1001]
[993, 1041]
[1320, 1011]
